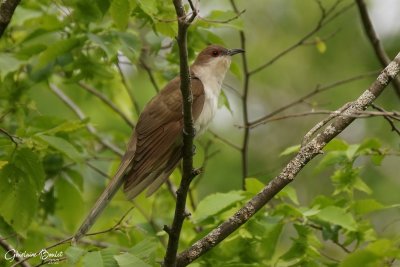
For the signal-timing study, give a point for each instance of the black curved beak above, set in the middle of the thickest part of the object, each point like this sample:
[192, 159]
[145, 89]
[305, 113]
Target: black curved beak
[235, 51]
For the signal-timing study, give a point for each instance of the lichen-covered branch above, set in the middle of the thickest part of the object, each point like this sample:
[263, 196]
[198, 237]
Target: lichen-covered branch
[7, 9]
[290, 171]
[188, 134]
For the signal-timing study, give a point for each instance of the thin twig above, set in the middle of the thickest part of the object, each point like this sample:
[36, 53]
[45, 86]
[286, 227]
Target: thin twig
[323, 21]
[317, 90]
[150, 74]
[225, 141]
[106, 101]
[375, 42]
[115, 227]
[9, 248]
[10, 136]
[75, 108]
[389, 119]
[224, 21]
[127, 89]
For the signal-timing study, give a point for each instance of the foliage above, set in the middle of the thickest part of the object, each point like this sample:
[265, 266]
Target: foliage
[52, 164]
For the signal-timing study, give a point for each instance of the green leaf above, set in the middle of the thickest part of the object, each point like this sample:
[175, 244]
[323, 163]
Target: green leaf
[3, 163]
[220, 18]
[8, 63]
[330, 159]
[216, 203]
[67, 127]
[377, 159]
[63, 146]
[30, 164]
[167, 29]
[224, 101]
[120, 11]
[253, 185]
[361, 186]
[369, 144]
[360, 258]
[320, 45]
[19, 198]
[236, 70]
[336, 144]
[145, 249]
[69, 206]
[290, 193]
[130, 44]
[93, 259]
[128, 260]
[365, 206]
[148, 6]
[55, 50]
[108, 257]
[339, 216]
[352, 150]
[74, 254]
[290, 150]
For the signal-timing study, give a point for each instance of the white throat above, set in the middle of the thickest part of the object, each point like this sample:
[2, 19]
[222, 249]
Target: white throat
[211, 74]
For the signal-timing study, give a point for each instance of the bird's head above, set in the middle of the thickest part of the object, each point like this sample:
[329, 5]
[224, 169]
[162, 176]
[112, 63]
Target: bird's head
[216, 58]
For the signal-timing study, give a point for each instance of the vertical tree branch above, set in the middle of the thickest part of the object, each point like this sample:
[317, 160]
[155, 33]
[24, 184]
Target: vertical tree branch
[7, 9]
[188, 134]
[375, 42]
[246, 85]
[296, 164]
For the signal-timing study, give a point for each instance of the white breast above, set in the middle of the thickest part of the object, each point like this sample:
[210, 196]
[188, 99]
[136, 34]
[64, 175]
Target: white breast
[211, 75]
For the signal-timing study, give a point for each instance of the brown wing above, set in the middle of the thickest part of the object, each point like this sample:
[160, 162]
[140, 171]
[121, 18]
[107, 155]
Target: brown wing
[158, 138]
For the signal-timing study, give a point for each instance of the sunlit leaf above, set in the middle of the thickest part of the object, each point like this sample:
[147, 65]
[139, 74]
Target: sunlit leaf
[253, 185]
[216, 203]
[93, 259]
[69, 204]
[63, 146]
[128, 260]
[74, 253]
[290, 150]
[120, 11]
[320, 45]
[57, 49]
[339, 216]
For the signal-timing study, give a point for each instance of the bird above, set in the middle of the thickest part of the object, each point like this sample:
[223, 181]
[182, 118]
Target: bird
[155, 147]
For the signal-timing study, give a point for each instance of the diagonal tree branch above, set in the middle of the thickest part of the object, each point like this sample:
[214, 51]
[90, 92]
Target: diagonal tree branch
[9, 248]
[287, 175]
[188, 133]
[7, 9]
[74, 107]
[375, 42]
[106, 101]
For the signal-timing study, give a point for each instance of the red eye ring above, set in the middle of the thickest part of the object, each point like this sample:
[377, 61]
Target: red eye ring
[215, 53]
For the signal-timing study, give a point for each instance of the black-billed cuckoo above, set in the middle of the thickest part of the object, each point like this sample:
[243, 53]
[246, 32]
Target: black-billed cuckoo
[155, 147]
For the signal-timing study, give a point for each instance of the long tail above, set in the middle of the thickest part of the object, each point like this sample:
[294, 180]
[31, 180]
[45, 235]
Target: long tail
[99, 206]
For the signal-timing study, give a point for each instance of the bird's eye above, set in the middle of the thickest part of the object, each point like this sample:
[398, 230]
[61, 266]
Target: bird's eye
[215, 53]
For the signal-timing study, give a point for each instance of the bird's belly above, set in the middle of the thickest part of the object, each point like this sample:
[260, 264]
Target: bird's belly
[207, 114]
